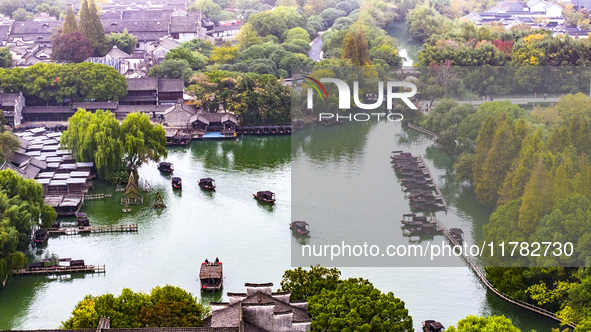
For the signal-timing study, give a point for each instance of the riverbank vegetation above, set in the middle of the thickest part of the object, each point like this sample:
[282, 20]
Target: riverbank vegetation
[166, 306]
[535, 170]
[22, 207]
[54, 84]
[352, 304]
[112, 145]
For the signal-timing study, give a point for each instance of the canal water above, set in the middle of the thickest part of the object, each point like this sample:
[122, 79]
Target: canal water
[408, 48]
[252, 240]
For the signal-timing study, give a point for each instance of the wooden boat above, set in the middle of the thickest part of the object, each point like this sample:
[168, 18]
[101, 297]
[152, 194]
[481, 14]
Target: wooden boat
[265, 196]
[166, 167]
[211, 276]
[83, 222]
[428, 228]
[207, 183]
[300, 228]
[432, 326]
[177, 183]
[457, 234]
[40, 236]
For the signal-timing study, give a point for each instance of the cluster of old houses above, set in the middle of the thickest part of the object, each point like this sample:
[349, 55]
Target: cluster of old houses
[539, 14]
[64, 181]
[161, 99]
[159, 26]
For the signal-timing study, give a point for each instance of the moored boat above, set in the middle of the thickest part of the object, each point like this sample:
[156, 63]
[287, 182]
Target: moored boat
[40, 236]
[265, 196]
[166, 167]
[457, 234]
[300, 228]
[207, 183]
[177, 183]
[432, 326]
[211, 276]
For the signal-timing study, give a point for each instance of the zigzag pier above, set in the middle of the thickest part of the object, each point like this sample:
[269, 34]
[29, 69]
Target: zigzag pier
[94, 229]
[483, 279]
[62, 270]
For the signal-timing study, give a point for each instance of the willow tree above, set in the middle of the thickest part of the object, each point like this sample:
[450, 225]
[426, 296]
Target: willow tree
[142, 140]
[113, 146]
[95, 137]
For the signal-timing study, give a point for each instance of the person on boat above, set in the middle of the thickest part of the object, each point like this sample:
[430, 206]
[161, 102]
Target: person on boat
[206, 261]
[217, 260]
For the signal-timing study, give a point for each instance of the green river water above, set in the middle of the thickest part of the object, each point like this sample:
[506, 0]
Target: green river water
[252, 240]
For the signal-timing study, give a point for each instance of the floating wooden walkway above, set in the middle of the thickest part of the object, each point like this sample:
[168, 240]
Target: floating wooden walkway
[422, 161]
[423, 130]
[94, 229]
[482, 277]
[96, 196]
[62, 270]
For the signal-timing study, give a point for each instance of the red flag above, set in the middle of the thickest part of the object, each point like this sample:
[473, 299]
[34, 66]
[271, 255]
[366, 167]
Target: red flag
[56, 79]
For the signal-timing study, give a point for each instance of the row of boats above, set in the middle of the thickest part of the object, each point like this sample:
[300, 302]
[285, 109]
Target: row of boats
[416, 179]
[165, 167]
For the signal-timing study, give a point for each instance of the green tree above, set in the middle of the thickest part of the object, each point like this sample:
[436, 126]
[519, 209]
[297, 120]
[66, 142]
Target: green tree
[5, 57]
[21, 15]
[208, 7]
[356, 305]
[70, 25]
[277, 21]
[173, 68]
[537, 198]
[356, 48]
[198, 45]
[95, 137]
[124, 41]
[484, 324]
[142, 140]
[303, 284]
[166, 306]
[423, 21]
[92, 28]
[224, 54]
[248, 36]
[195, 60]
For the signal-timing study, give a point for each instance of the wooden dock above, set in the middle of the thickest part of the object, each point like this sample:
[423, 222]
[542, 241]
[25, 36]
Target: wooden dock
[423, 130]
[482, 277]
[95, 229]
[421, 160]
[62, 270]
[96, 196]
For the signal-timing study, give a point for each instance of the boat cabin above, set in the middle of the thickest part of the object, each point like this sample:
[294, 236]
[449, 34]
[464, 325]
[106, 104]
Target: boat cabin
[165, 167]
[177, 183]
[428, 228]
[207, 183]
[211, 276]
[83, 222]
[300, 228]
[457, 234]
[77, 263]
[265, 196]
[432, 326]
[40, 236]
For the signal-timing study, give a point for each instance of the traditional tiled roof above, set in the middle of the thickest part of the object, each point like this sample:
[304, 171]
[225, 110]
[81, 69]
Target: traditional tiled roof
[34, 27]
[115, 52]
[9, 99]
[171, 85]
[95, 105]
[168, 43]
[146, 14]
[142, 84]
[186, 24]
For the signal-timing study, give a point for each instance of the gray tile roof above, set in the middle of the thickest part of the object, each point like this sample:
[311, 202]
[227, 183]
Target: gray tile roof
[171, 85]
[142, 84]
[34, 27]
[146, 14]
[186, 24]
